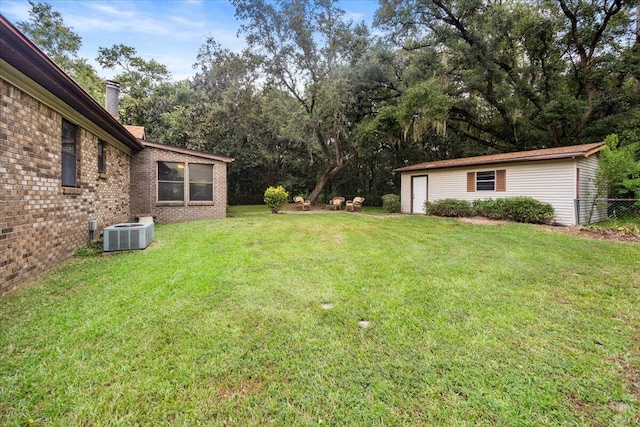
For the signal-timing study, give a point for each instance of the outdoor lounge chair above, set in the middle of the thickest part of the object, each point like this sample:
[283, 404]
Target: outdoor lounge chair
[304, 204]
[355, 204]
[336, 203]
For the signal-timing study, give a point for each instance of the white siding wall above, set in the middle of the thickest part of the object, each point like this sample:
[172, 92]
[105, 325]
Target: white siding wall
[552, 181]
[588, 167]
[405, 192]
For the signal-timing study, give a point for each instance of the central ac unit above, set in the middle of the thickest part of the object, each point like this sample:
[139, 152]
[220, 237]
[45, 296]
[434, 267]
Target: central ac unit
[128, 235]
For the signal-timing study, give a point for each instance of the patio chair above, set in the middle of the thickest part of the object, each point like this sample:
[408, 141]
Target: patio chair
[336, 203]
[304, 204]
[355, 204]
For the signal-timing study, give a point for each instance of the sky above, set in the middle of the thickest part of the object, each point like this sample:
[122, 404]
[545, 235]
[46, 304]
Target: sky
[169, 31]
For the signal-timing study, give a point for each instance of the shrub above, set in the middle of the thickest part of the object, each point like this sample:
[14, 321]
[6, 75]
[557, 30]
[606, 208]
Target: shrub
[450, 207]
[487, 208]
[276, 198]
[518, 209]
[391, 203]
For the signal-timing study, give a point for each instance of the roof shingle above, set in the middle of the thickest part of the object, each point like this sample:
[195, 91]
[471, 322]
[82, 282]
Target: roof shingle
[137, 131]
[583, 150]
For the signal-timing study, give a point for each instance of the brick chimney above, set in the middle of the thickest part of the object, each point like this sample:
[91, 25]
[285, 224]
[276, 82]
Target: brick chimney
[113, 94]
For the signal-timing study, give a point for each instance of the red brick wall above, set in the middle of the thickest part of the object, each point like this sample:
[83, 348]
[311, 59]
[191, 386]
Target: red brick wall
[40, 224]
[144, 189]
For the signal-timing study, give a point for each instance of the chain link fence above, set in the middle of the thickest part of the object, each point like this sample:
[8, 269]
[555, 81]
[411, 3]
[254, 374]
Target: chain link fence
[589, 211]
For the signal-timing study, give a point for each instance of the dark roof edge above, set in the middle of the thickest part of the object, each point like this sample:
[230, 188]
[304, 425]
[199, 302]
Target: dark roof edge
[181, 150]
[22, 54]
[477, 161]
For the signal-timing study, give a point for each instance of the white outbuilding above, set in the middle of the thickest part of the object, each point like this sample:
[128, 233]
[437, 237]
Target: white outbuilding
[563, 177]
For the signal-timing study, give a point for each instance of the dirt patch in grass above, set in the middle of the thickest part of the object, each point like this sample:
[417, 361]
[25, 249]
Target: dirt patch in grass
[246, 387]
[589, 232]
[596, 233]
[631, 375]
[480, 220]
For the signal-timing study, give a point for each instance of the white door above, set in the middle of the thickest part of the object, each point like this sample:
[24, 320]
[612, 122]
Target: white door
[419, 194]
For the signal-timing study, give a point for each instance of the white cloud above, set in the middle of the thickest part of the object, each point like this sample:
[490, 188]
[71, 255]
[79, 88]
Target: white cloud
[106, 8]
[169, 31]
[15, 11]
[354, 16]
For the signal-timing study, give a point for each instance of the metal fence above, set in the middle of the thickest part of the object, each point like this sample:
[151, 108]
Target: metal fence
[589, 211]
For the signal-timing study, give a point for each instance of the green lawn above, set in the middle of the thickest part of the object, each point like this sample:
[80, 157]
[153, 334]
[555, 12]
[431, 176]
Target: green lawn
[221, 323]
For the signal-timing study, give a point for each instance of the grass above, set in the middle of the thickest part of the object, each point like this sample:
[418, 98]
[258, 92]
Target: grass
[221, 323]
[255, 209]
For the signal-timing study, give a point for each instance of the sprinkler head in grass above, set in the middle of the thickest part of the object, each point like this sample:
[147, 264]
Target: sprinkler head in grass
[364, 324]
[326, 305]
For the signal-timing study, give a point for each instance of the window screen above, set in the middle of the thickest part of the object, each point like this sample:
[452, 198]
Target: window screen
[170, 181]
[101, 162]
[69, 157]
[200, 182]
[486, 181]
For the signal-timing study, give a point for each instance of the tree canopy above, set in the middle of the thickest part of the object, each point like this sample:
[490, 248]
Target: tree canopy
[46, 28]
[321, 105]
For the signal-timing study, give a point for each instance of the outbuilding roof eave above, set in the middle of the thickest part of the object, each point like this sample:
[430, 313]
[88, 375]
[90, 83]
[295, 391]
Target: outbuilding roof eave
[585, 150]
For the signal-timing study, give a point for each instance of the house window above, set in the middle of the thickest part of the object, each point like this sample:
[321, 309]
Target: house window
[170, 181]
[486, 181]
[200, 183]
[101, 157]
[69, 156]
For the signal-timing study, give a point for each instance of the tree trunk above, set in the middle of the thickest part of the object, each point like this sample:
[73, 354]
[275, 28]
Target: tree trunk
[324, 180]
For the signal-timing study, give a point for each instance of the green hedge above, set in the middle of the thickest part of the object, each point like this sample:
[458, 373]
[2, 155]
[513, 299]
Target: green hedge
[450, 207]
[518, 209]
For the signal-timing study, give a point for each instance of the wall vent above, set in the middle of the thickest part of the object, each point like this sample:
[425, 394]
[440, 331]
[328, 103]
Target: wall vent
[127, 236]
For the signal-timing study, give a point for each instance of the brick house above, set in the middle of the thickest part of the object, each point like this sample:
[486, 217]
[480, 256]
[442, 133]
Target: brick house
[174, 184]
[65, 160]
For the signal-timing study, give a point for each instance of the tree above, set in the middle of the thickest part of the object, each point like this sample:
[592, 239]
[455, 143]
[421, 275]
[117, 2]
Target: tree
[304, 48]
[46, 28]
[258, 126]
[618, 173]
[147, 97]
[523, 74]
[165, 113]
[137, 77]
